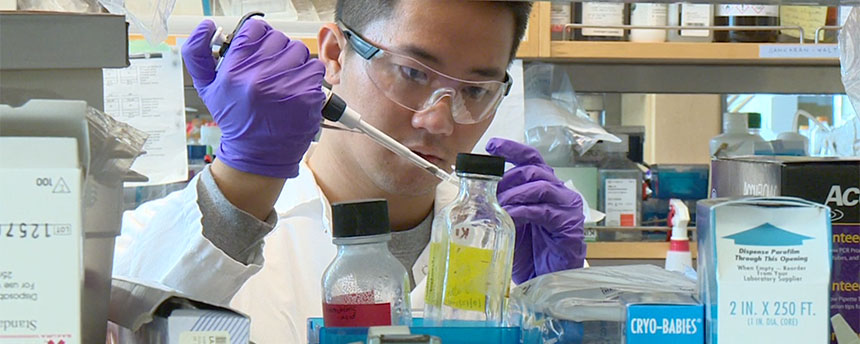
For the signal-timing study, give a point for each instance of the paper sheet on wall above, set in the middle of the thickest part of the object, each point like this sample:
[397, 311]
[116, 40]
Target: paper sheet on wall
[149, 95]
[509, 121]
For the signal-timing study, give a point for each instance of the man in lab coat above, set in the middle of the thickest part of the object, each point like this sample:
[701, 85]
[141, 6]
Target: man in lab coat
[428, 73]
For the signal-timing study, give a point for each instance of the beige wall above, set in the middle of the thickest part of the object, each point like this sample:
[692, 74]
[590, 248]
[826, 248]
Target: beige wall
[677, 127]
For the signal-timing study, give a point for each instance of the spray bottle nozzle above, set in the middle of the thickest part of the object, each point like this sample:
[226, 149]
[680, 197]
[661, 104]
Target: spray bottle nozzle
[679, 217]
[679, 258]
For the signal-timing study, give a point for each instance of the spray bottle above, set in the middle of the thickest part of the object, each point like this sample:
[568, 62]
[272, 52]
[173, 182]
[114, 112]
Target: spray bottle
[678, 257]
[844, 333]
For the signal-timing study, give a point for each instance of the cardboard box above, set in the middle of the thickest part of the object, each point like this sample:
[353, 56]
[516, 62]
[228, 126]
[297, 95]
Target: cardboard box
[58, 55]
[829, 181]
[151, 313]
[41, 267]
[764, 267]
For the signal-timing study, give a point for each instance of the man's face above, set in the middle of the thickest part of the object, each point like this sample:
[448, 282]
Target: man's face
[464, 39]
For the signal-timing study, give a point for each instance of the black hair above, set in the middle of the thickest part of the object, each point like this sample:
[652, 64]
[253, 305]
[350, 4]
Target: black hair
[357, 14]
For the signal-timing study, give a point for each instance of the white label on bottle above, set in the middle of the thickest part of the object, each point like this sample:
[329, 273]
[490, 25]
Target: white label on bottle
[594, 13]
[648, 14]
[695, 15]
[747, 11]
[620, 202]
[559, 16]
[644, 14]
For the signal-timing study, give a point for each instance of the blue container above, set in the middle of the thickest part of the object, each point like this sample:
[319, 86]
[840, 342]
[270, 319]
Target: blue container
[686, 182]
[319, 334]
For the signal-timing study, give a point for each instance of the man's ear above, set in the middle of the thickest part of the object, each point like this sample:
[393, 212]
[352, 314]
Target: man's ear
[332, 48]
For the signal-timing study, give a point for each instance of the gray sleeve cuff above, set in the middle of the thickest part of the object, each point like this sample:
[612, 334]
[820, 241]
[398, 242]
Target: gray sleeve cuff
[232, 230]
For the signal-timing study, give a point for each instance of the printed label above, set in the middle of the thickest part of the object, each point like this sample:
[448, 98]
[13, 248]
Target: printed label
[648, 14]
[433, 295]
[559, 17]
[845, 277]
[356, 315]
[656, 324]
[620, 203]
[695, 15]
[590, 235]
[594, 13]
[810, 18]
[204, 337]
[40, 246]
[763, 259]
[747, 11]
[782, 51]
[466, 285]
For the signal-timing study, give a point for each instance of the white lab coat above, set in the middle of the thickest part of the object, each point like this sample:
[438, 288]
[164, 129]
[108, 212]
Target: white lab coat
[279, 295]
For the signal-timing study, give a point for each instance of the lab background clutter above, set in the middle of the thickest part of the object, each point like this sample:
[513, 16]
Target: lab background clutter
[643, 121]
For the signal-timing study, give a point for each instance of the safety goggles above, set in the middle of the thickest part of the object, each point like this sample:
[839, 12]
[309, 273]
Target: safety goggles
[417, 87]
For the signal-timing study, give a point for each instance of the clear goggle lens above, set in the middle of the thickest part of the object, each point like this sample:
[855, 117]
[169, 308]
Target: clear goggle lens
[417, 87]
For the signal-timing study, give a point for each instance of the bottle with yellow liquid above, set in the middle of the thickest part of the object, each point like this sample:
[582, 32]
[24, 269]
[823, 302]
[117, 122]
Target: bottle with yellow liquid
[471, 250]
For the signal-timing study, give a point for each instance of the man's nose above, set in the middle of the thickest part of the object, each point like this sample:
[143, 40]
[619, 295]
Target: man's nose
[436, 119]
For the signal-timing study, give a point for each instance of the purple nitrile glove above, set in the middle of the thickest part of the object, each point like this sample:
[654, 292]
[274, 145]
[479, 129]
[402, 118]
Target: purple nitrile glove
[266, 96]
[548, 216]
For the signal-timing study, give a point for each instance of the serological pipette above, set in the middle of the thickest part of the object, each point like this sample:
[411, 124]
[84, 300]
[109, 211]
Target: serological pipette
[336, 110]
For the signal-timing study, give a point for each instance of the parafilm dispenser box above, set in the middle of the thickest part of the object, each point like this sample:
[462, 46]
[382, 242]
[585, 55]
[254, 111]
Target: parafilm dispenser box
[41, 266]
[764, 267]
[828, 181]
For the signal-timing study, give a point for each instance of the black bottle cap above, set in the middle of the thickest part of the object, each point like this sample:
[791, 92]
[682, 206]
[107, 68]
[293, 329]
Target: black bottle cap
[480, 164]
[360, 218]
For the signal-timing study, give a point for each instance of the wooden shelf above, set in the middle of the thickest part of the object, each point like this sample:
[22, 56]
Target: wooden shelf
[528, 50]
[311, 43]
[678, 52]
[631, 250]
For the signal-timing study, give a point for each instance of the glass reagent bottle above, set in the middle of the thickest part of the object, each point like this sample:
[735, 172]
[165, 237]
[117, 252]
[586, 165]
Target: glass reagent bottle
[365, 285]
[471, 250]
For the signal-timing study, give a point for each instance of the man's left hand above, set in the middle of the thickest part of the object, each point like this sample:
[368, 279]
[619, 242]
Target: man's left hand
[548, 216]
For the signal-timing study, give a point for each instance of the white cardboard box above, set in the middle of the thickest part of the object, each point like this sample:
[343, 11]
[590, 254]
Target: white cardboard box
[41, 273]
[151, 313]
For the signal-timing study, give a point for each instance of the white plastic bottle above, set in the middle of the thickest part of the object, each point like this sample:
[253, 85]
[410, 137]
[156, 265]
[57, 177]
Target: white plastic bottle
[754, 125]
[736, 139]
[678, 258]
[648, 14]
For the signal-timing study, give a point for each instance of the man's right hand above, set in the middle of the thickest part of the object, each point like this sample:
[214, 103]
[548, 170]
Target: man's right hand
[266, 97]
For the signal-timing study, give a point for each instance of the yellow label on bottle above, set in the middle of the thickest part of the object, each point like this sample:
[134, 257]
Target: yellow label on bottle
[466, 284]
[433, 294]
[809, 18]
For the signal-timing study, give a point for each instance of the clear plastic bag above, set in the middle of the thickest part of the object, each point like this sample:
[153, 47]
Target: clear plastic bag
[114, 146]
[555, 122]
[150, 16]
[76, 6]
[589, 305]
[846, 138]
